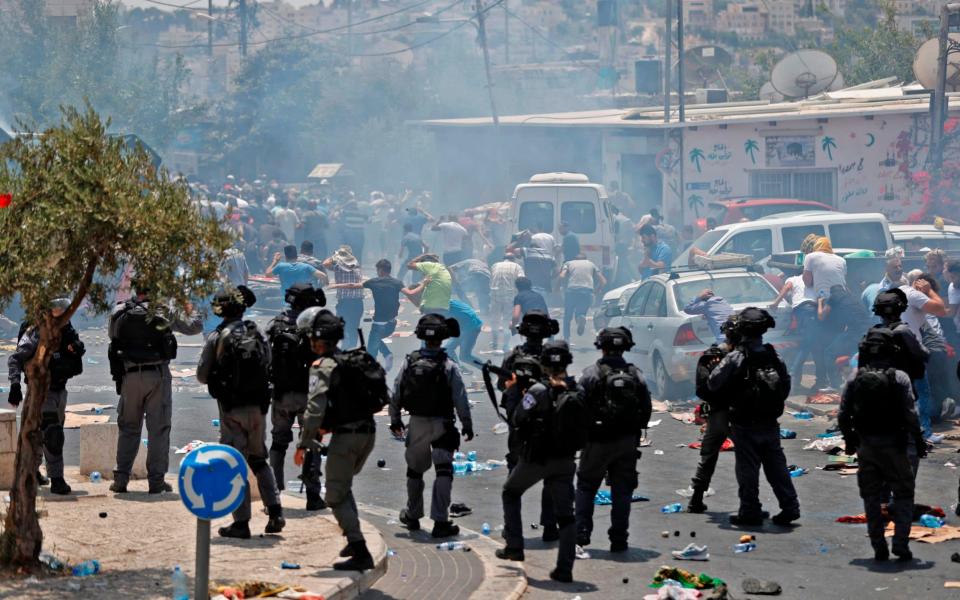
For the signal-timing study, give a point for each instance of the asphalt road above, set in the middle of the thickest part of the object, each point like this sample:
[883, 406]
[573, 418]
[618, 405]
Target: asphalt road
[817, 559]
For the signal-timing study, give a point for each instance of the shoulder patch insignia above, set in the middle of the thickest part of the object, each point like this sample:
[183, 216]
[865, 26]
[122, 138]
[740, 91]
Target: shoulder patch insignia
[529, 401]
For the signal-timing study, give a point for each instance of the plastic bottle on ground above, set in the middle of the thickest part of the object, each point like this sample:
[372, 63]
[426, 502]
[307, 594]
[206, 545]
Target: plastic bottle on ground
[180, 589]
[472, 456]
[931, 521]
[453, 546]
[747, 547]
[459, 456]
[459, 467]
[87, 567]
[485, 529]
[672, 508]
[501, 428]
[95, 477]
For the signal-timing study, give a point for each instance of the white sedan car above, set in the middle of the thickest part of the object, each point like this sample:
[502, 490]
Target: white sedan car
[669, 341]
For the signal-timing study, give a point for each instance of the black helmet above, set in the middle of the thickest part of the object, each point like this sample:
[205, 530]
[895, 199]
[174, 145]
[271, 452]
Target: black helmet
[614, 338]
[527, 369]
[890, 303]
[302, 296]
[879, 345]
[434, 327]
[556, 355]
[320, 323]
[538, 324]
[754, 322]
[233, 299]
[729, 328]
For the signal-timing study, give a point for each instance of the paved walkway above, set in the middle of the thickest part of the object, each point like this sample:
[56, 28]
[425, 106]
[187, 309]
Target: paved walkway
[138, 538]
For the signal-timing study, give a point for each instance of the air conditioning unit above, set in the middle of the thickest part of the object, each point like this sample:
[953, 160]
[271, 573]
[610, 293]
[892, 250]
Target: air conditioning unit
[711, 95]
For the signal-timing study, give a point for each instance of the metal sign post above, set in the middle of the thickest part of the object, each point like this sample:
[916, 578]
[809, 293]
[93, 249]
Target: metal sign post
[212, 483]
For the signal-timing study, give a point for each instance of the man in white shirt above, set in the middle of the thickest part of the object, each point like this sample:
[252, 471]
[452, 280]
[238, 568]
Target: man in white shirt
[503, 278]
[803, 301]
[822, 269]
[921, 301]
[582, 278]
[286, 219]
[543, 240]
[452, 234]
[953, 298]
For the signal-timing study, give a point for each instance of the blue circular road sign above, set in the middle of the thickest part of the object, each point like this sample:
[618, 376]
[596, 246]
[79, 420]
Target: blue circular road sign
[213, 480]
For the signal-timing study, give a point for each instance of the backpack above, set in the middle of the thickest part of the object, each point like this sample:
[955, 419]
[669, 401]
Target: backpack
[876, 404]
[569, 417]
[361, 387]
[66, 364]
[618, 401]
[426, 392]
[242, 372]
[291, 356]
[142, 337]
[766, 386]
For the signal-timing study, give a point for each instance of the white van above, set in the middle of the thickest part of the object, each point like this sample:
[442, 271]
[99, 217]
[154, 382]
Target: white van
[785, 232]
[551, 198]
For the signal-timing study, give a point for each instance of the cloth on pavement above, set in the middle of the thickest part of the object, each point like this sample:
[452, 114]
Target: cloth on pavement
[725, 447]
[825, 444]
[824, 398]
[87, 407]
[686, 578]
[75, 421]
[930, 535]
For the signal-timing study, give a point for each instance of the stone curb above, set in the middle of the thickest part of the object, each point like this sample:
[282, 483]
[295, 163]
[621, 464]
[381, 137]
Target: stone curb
[503, 580]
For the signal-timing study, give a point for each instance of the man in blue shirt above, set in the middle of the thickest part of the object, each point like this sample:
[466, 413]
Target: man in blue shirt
[658, 254]
[290, 271]
[470, 325]
[713, 308]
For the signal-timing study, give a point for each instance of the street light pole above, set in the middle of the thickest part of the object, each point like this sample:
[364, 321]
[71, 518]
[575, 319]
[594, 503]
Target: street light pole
[482, 31]
[209, 27]
[668, 60]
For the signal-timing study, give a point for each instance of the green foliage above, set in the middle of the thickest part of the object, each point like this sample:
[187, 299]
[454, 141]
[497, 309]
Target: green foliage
[84, 205]
[869, 52]
[46, 65]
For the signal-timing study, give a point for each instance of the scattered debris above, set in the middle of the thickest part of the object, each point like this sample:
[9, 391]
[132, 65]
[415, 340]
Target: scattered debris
[726, 446]
[760, 586]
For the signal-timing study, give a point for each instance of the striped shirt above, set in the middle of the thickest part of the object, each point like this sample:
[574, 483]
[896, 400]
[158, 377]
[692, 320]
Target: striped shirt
[342, 275]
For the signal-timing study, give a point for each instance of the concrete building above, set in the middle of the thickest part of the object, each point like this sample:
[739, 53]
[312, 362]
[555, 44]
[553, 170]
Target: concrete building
[857, 150]
[698, 14]
[782, 16]
[749, 20]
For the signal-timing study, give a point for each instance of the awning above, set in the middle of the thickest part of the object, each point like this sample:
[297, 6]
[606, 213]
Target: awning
[326, 171]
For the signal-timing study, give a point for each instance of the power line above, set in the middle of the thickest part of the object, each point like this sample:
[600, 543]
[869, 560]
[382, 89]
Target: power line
[545, 38]
[179, 6]
[439, 11]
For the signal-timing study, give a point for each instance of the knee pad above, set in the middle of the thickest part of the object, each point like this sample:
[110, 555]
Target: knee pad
[257, 463]
[444, 469]
[411, 474]
[53, 438]
[565, 521]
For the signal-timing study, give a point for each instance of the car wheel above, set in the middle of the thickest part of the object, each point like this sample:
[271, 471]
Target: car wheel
[600, 319]
[666, 388]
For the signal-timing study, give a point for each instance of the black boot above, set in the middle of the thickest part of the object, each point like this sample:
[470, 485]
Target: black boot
[551, 533]
[238, 529]
[696, 504]
[508, 553]
[409, 522]
[59, 486]
[315, 501]
[880, 550]
[444, 529]
[561, 576]
[276, 522]
[359, 561]
[347, 551]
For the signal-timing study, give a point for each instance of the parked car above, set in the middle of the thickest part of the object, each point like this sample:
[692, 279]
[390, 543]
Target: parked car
[612, 304]
[785, 232]
[551, 198]
[914, 237]
[735, 210]
[669, 341]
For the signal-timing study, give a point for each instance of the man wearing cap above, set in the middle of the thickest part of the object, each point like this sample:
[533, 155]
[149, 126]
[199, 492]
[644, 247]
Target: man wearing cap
[289, 372]
[620, 407]
[240, 384]
[142, 345]
[346, 273]
[430, 388]
[65, 363]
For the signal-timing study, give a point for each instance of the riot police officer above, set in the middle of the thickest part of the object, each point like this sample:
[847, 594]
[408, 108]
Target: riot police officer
[755, 378]
[65, 363]
[289, 372]
[715, 409]
[235, 365]
[619, 406]
[879, 422]
[142, 345]
[345, 390]
[535, 327]
[430, 388]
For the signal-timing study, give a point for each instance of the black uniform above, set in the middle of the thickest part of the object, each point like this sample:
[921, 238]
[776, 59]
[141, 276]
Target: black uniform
[716, 411]
[617, 423]
[756, 432]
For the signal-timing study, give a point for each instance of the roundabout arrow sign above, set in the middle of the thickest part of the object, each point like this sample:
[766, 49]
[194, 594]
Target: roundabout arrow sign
[213, 479]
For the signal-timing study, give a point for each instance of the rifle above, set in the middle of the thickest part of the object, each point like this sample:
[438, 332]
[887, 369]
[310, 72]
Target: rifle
[363, 344]
[488, 368]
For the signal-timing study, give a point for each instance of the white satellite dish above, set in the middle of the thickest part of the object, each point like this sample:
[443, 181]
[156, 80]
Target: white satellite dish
[802, 73]
[769, 94]
[925, 65]
[838, 84]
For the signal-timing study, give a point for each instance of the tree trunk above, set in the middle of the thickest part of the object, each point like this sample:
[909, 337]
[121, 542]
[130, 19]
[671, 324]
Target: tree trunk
[22, 537]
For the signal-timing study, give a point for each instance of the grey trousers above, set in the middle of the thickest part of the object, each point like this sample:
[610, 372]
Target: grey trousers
[718, 430]
[346, 456]
[51, 425]
[886, 469]
[244, 428]
[284, 412]
[618, 458]
[423, 436]
[144, 394]
[756, 446]
[557, 477]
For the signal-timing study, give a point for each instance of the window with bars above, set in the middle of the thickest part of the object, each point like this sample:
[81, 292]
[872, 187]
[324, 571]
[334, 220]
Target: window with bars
[820, 185]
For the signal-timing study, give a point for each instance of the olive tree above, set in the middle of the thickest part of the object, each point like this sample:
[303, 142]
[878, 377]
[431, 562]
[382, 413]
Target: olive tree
[82, 206]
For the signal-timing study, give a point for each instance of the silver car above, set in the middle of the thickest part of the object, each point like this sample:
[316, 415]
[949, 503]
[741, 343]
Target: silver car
[669, 341]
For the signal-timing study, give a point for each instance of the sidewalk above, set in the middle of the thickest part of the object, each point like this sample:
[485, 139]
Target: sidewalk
[139, 538]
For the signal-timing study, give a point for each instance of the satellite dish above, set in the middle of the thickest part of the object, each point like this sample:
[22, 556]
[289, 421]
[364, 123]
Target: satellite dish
[838, 84]
[769, 94]
[925, 65]
[703, 65]
[802, 73]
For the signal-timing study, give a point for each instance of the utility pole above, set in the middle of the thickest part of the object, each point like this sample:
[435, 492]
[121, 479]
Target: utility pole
[350, 27]
[210, 28]
[482, 31]
[506, 32]
[668, 60]
[938, 100]
[242, 7]
[680, 81]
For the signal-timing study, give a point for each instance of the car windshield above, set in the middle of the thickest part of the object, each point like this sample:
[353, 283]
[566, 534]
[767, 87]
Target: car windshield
[748, 289]
[708, 239]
